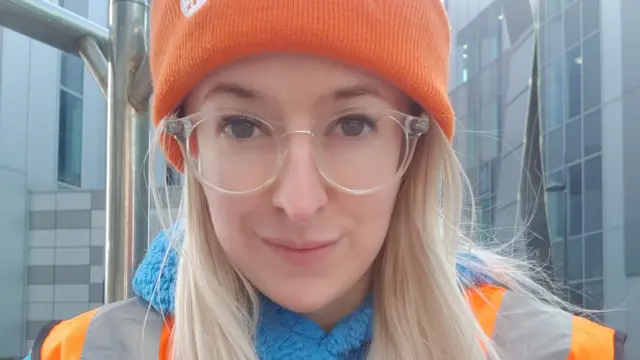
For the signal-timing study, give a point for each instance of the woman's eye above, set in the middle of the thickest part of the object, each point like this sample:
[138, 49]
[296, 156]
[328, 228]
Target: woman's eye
[355, 124]
[240, 126]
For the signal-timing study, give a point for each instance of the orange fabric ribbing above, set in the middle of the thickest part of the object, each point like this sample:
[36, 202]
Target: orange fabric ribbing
[406, 42]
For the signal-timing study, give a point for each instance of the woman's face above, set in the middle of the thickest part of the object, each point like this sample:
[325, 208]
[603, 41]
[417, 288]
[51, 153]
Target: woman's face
[300, 241]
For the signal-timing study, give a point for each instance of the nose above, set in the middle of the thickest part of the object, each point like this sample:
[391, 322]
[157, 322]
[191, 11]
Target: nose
[300, 191]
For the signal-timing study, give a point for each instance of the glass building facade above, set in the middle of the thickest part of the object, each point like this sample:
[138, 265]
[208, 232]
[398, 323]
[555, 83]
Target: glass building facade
[548, 102]
[570, 48]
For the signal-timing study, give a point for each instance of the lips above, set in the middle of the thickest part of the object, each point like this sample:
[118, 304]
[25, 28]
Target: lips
[306, 246]
[302, 253]
[300, 245]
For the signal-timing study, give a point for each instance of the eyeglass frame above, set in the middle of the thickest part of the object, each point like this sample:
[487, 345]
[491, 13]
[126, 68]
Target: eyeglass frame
[181, 129]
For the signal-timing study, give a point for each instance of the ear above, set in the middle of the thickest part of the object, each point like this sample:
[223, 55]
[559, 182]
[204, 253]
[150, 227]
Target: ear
[416, 109]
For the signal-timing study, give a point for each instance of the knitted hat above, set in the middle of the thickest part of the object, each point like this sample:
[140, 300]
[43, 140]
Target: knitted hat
[405, 42]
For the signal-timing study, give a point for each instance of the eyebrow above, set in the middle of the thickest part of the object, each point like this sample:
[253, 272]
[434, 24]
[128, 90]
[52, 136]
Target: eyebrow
[355, 91]
[245, 93]
[233, 89]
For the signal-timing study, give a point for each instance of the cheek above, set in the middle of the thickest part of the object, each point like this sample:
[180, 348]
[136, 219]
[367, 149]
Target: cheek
[371, 216]
[227, 216]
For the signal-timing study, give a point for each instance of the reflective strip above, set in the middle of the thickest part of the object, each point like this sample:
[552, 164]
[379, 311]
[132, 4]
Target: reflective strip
[123, 330]
[527, 329]
[36, 349]
[619, 340]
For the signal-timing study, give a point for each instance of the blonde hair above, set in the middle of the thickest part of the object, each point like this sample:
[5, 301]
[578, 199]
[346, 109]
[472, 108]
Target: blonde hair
[421, 309]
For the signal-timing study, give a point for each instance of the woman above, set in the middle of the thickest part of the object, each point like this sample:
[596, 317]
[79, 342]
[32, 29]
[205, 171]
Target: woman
[322, 201]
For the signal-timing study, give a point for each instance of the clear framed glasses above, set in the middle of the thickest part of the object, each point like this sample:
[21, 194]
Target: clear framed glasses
[358, 150]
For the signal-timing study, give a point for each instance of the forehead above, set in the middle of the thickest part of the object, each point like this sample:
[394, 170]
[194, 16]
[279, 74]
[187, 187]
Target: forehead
[296, 76]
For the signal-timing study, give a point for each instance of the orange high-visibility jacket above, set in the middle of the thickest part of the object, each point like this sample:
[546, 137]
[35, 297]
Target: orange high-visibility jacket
[522, 327]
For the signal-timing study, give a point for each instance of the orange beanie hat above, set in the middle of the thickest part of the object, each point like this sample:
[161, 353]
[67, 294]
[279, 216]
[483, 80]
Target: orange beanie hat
[405, 42]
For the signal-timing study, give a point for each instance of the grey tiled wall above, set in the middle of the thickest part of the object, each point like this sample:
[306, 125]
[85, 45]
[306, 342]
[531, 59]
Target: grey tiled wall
[65, 271]
[66, 256]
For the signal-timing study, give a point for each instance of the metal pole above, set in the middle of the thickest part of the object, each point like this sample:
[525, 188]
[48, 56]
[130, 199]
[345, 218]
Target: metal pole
[140, 91]
[565, 245]
[127, 146]
[95, 61]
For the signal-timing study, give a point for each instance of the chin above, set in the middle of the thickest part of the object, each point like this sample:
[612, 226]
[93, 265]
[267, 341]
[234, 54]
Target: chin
[301, 299]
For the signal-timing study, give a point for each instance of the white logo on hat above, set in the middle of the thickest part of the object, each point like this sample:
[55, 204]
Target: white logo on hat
[190, 7]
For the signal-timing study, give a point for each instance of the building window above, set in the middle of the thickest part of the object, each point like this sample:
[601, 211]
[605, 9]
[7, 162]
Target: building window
[576, 294]
[486, 199]
[574, 260]
[490, 32]
[574, 82]
[594, 296]
[485, 219]
[463, 61]
[573, 141]
[585, 273]
[70, 120]
[490, 128]
[590, 17]
[553, 7]
[71, 107]
[71, 72]
[468, 53]
[575, 199]
[554, 149]
[592, 72]
[592, 133]
[542, 45]
[554, 92]
[554, 38]
[593, 256]
[172, 177]
[572, 33]
[473, 150]
[593, 194]
[557, 254]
